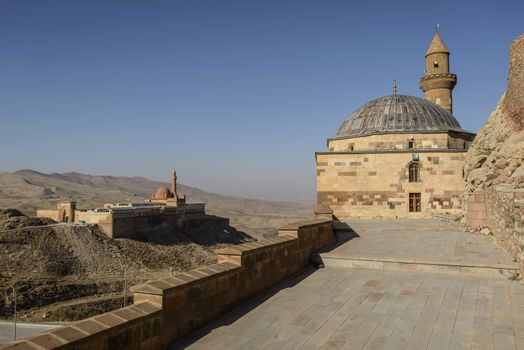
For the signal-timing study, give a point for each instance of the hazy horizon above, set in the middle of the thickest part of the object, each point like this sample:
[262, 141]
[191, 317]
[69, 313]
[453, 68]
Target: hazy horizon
[236, 95]
[167, 181]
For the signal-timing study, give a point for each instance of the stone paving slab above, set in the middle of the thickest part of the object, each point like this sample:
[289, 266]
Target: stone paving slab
[392, 244]
[341, 308]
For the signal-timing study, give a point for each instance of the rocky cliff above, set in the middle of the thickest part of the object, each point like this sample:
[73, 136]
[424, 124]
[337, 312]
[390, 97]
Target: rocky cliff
[494, 166]
[497, 154]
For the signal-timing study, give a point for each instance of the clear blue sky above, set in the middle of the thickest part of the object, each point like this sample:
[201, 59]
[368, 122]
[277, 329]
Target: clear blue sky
[237, 95]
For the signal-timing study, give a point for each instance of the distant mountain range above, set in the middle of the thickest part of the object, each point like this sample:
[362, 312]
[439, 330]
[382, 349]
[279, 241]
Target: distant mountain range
[28, 190]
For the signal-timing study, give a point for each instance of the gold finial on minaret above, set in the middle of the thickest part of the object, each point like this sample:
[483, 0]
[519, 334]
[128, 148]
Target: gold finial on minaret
[173, 182]
[437, 29]
[395, 87]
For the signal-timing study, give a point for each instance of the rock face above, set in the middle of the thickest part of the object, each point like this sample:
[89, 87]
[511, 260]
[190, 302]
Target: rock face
[514, 103]
[497, 154]
[494, 167]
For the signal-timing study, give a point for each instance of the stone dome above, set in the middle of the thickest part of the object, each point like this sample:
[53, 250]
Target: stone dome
[162, 193]
[398, 114]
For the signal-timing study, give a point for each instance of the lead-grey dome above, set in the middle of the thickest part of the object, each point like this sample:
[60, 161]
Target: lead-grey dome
[398, 114]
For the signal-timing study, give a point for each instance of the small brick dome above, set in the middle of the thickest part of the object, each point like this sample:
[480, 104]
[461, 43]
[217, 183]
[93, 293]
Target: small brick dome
[163, 193]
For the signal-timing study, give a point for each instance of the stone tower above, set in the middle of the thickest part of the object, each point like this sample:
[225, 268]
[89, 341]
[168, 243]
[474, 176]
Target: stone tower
[66, 211]
[173, 183]
[438, 83]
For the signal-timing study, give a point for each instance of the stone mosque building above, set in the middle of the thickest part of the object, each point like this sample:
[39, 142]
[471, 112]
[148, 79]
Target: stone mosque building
[168, 197]
[399, 156]
[165, 210]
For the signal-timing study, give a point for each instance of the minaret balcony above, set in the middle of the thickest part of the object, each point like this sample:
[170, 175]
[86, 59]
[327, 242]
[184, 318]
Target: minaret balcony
[438, 81]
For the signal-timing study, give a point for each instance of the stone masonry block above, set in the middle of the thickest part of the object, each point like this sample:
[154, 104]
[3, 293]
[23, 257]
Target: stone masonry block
[69, 334]
[146, 307]
[23, 345]
[477, 206]
[127, 314]
[481, 214]
[146, 297]
[90, 326]
[47, 341]
[107, 319]
[480, 199]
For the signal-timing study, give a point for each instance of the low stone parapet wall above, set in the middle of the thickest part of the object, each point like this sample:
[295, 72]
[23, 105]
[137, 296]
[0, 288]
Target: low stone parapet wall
[134, 327]
[167, 309]
[193, 208]
[505, 218]
[44, 213]
[312, 234]
[190, 300]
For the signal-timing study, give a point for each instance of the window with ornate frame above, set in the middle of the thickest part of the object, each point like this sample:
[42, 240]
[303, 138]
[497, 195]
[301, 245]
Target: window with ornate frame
[414, 172]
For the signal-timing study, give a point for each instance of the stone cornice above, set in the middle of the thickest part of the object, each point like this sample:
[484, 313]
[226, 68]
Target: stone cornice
[407, 150]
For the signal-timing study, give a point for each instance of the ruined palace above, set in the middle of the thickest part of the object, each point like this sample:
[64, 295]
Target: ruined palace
[399, 156]
[164, 210]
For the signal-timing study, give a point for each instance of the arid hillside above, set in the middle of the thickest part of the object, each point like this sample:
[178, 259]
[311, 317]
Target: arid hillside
[28, 190]
[49, 263]
[68, 271]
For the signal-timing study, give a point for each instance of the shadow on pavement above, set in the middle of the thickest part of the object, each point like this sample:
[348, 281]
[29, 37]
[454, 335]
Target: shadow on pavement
[232, 316]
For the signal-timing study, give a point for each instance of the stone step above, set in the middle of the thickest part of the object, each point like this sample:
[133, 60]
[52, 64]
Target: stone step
[420, 266]
[446, 217]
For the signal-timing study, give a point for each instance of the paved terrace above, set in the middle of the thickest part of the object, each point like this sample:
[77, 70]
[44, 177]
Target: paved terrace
[418, 245]
[421, 284]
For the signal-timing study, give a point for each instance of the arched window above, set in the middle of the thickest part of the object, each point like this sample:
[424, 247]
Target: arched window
[414, 175]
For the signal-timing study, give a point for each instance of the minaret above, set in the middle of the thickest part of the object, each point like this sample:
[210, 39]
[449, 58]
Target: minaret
[173, 183]
[394, 87]
[438, 82]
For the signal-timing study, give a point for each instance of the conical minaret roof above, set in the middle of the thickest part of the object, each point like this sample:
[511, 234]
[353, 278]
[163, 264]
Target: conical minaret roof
[437, 45]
